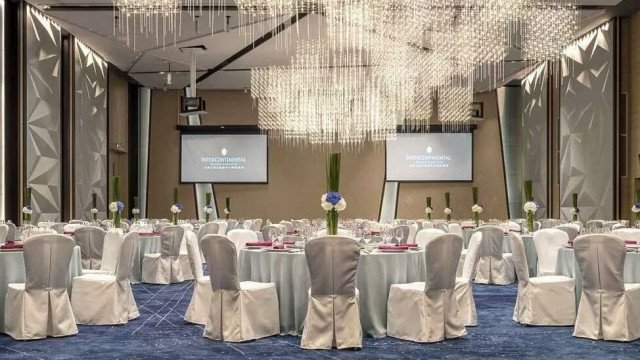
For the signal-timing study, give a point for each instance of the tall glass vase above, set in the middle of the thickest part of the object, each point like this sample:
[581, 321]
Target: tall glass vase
[530, 221]
[332, 222]
[476, 217]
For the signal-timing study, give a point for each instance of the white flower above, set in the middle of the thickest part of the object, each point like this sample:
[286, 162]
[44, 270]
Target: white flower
[574, 211]
[208, 209]
[94, 211]
[327, 206]
[226, 211]
[428, 210]
[113, 207]
[476, 208]
[530, 207]
[175, 209]
[27, 210]
[635, 209]
[135, 211]
[447, 211]
[341, 205]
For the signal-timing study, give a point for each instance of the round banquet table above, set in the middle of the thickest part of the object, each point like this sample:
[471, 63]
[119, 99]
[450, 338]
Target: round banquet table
[466, 236]
[568, 266]
[12, 271]
[148, 244]
[376, 273]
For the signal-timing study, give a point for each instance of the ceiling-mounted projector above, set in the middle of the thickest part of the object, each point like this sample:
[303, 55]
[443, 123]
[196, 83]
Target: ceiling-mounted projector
[192, 105]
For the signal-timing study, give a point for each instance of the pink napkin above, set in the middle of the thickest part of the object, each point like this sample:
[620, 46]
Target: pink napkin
[393, 247]
[410, 245]
[288, 242]
[11, 245]
[630, 242]
[278, 247]
[259, 243]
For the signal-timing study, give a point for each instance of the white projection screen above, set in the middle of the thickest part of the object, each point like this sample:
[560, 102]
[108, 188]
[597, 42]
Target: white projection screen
[223, 158]
[430, 157]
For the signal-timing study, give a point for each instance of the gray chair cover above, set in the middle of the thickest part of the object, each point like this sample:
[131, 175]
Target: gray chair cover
[11, 234]
[209, 228]
[165, 268]
[594, 224]
[265, 231]
[609, 309]
[198, 309]
[41, 307]
[257, 225]
[571, 231]
[58, 227]
[494, 267]
[4, 230]
[232, 225]
[333, 314]
[91, 241]
[404, 230]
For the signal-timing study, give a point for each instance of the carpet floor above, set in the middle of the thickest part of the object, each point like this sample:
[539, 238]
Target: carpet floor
[160, 332]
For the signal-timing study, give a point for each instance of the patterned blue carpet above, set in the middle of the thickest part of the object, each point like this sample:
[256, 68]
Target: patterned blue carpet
[160, 332]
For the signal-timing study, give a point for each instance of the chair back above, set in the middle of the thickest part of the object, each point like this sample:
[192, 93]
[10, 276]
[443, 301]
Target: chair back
[58, 227]
[519, 257]
[472, 257]
[195, 261]
[187, 226]
[4, 230]
[492, 239]
[442, 254]
[398, 230]
[127, 254]
[413, 231]
[578, 225]
[427, 225]
[222, 227]
[46, 261]
[267, 229]
[257, 225]
[247, 224]
[537, 226]
[297, 224]
[442, 226]
[240, 237]
[611, 224]
[232, 225]
[627, 234]
[207, 229]
[455, 229]
[111, 250]
[220, 254]
[571, 231]
[547, 243]
[594, 224]
[91, 241]
[170, 240]
[425, 235]
[11, 234]
[333, 263]
[288, 225]
[601, 262]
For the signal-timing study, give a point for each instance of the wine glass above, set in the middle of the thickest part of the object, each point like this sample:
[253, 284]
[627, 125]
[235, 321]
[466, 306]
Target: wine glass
[386, 235]
[399, 236]
[273, 234]
[280, 237]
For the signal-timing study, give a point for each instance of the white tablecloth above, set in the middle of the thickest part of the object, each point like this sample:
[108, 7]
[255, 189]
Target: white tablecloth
[147, 245]
[376, 273]
[12, 271]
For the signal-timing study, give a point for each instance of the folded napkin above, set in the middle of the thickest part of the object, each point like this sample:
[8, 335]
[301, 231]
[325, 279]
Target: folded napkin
[289, 242]
[69, 232]
[393, 247]
[11, 245]
[630, 242]
[259, 243]
[375, 233]
[278, 247]
[410, 245]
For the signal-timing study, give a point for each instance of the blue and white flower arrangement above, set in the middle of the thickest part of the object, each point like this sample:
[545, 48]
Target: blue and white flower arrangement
[116, 207]
[333, 200]
[636, 208]
[176, 208]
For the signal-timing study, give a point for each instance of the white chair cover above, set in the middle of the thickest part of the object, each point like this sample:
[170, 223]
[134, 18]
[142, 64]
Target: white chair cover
[267, 229]
[239, 311]
[578, 225]
[442, 226]
[183, 258]
[609, 309]
[333, 313]
[288, 225]
[627, 234]
[463, 290]
[231, 225]
[494, 267]
[58, 227]
[91, 240]
[107, 299]
[198, 309]
[111, 250]
[257, 225]
[425, 235]
[545, 300]
[427, 225]
[80, 222]
[428, 311]
[595, 224]
[413, 231]
[397, 230]
[40, 307]
[187, 227]
[11, 235]
[210, 228]
[455, 229]
[165, 268]
[247, 224]
[222, 227]
[72, 227]
[547, 243]
[571, 231]
[240, 238]
[4, 230]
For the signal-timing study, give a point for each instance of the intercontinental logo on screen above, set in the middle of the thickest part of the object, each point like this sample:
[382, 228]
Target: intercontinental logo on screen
[428, 159]
[223, 162]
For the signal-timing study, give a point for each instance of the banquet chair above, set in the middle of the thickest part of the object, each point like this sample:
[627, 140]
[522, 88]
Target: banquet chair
[183, 256]
[463, 290]
[547, 243]
[571, 231]
[548, 223]
[537, 226]
[257, 225]
[107, 299]
[611, 224]
[333, 313]
[187, 227]
[267, 229]
[425, 235]
[442, 226]
[4, 230]
[428, 311]
[594, 224]
[238, 311]
[198, 308]
[455, 229]
[40, 307]
[578, 224]
[397, 230]
[165, 268]
[208, 229]
[91, 240]
[427, 225]
[70, 228]
[542, 300]
[609, 309]
[11, 234]
[627, 234]
[231, 225]
[246, 225]
[240, 238]
[222, 227]
[288, 225]
[413, 231]
[494, 267]
[110, 253]
[58, 227]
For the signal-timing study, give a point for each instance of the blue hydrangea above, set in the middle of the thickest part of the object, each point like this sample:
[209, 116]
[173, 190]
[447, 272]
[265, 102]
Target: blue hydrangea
[179, 206]
[333, 197]
[120, 205]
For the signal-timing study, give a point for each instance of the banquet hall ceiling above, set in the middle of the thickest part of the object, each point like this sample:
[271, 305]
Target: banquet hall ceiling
[92, 22]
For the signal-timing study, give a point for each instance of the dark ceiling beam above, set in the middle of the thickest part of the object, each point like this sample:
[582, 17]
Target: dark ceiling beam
[247, 49]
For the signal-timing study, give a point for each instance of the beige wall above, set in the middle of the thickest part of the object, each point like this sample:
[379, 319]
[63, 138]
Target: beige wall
[630, 82]
[297, 176]
[119, 134]
[488, 175]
